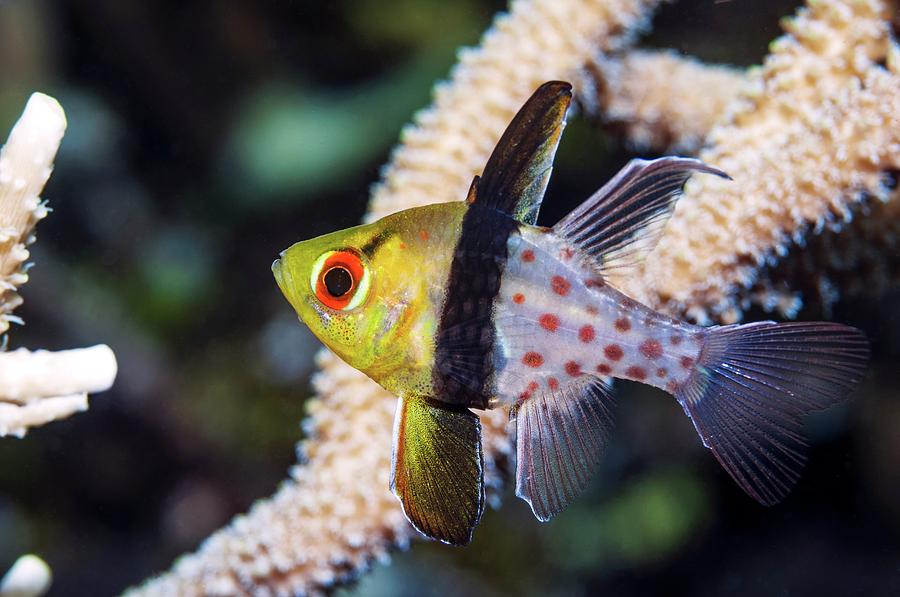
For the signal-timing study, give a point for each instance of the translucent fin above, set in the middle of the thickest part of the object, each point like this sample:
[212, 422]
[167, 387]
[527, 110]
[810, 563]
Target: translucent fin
[622, 222]
[560, 437]
[517, 173]
[753, 384]
[436, 469]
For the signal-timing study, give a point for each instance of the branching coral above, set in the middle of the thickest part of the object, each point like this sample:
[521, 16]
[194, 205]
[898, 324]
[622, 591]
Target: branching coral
[818, 128]
[649, 97]
[36, 387]
[653, 99]
[821, 86]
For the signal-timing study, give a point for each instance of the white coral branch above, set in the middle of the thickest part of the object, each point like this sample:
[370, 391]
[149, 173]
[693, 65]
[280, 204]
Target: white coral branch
[41, 386]
[26, 162]
[36, 387]
[29, 577]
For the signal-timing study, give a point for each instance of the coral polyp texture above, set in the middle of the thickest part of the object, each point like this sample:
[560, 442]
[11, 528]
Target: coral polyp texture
[809, 136]
[817, 129]
[36, 387]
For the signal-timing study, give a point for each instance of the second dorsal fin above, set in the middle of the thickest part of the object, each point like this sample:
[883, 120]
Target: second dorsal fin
[622, 222]
[516, 175]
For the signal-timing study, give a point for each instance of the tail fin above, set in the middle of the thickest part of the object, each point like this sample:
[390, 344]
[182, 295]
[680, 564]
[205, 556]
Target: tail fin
[753, 384]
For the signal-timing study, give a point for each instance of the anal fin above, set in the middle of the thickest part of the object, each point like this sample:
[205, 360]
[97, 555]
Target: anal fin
[436, 469]
[560, 438]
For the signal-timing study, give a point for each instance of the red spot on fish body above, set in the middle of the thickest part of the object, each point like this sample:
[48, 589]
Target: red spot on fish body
[613, 352]
[636, 373]
[687, 362]
[672, 387]
[661, 372]
[423, 234]
[573, 368]
[651, 349]
[586, 333]
[560, 285]
[595, 283]
[604, 369]
[553, 383]
[533, 359]
[566, 253]
[592, 310]
[402, 245]
[528, 256]
[622, 325]
[531, 389]
[675, 340]
[549, 322]
[518, 298]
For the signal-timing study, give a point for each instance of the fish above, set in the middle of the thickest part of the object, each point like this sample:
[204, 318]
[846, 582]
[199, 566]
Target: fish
[471, 305]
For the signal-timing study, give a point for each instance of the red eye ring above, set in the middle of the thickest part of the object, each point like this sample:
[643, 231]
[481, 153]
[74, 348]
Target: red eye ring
[339, 262]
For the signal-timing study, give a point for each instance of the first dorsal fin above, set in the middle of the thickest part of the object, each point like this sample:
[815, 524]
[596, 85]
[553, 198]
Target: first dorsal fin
[622, 222]
[516, 175]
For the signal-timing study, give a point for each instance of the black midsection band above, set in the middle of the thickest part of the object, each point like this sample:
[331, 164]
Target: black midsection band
[465, 339]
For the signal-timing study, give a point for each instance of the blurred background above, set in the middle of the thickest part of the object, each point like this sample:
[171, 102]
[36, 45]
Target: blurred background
[206, 136]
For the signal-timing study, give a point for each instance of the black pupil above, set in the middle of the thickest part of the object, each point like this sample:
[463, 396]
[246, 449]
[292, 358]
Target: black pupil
[338, 281]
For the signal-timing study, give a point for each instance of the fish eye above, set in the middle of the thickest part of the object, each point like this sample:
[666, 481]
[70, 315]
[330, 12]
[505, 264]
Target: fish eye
[340, 279]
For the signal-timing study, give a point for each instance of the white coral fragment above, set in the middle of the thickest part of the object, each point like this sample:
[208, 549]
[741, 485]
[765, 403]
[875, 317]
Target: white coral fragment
[42, 386]
[36, 387]
[26, 162]
[29, 577]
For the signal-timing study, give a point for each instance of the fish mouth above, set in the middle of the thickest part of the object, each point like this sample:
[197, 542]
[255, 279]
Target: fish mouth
[280, 277]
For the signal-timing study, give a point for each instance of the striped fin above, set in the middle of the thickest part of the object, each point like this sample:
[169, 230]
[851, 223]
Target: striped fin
[560, 437]
[517, 173]
[753, 384]
[623, 221]
[436, 469]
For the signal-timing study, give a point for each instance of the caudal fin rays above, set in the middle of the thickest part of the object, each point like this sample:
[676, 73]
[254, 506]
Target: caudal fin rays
[752, 387]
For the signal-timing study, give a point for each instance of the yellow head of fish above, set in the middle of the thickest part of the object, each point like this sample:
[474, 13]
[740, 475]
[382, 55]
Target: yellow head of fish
[364, 292]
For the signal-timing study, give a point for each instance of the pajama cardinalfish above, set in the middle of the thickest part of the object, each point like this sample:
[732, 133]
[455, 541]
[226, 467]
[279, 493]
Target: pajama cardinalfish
[471, 305]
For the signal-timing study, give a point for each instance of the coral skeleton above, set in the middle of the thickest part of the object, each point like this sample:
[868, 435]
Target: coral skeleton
[36, 387]
[808, 136]
[648, 95]
[814, 135]
[29, 577]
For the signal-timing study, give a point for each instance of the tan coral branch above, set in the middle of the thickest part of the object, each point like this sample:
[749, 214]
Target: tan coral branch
[663, 101]
[813, 137]
[335, 514]
[650, 97]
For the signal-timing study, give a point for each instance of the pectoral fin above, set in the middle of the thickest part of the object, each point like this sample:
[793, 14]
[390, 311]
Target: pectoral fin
[436, 469]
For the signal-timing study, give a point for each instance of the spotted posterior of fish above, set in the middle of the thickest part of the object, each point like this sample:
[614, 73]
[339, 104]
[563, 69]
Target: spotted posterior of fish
[557, 319]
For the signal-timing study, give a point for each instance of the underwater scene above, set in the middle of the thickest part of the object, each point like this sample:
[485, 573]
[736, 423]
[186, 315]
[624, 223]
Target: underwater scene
[409, 297]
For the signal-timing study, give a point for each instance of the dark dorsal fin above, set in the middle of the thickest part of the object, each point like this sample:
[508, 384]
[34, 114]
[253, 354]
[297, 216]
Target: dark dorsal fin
[517, 173]
[622, 222]
[436, 469]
